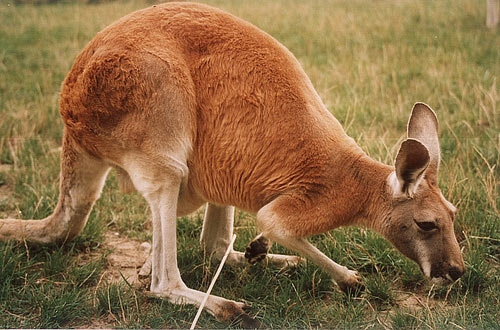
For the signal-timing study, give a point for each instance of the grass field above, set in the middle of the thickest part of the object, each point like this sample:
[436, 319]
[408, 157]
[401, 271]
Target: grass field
[370, 61]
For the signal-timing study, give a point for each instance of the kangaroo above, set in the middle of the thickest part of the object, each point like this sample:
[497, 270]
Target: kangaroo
[192, 105]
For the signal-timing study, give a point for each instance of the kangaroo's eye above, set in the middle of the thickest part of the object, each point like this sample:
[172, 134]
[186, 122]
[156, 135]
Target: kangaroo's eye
[426, 225]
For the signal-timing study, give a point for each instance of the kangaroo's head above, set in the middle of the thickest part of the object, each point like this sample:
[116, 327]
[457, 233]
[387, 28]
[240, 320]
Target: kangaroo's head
[420, 223]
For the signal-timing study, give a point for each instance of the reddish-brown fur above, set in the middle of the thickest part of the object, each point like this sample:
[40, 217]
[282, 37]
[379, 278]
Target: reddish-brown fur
[251, 79]
[194, 105]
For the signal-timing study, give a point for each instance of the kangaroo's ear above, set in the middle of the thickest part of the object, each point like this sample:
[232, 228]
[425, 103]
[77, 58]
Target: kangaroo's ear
[423, 126]
[411, 162]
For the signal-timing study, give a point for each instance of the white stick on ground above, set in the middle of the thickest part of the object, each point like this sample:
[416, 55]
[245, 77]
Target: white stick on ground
[200, 309]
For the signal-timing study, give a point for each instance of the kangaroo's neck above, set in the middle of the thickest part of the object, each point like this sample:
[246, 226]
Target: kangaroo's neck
[358, 191]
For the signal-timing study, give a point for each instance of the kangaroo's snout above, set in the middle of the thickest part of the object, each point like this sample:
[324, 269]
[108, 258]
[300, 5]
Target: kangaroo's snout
[456, 272]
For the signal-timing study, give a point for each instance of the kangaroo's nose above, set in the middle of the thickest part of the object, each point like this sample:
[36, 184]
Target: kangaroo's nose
[456, 272]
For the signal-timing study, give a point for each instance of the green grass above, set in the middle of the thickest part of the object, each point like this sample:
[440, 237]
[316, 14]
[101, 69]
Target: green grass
[370, 61]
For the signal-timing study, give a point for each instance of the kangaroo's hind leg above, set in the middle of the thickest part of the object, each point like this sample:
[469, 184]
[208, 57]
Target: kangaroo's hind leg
[215, 236]
[161, 187]
[217, 232]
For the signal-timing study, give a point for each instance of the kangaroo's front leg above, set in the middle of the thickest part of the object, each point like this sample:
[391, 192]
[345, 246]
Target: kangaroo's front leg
[346, 279]
[218, 230]
[273, 227]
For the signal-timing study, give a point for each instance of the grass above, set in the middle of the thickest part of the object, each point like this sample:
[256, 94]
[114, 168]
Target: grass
[370, 61]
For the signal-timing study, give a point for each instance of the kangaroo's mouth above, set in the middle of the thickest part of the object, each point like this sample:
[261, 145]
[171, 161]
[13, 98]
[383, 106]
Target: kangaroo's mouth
[439, 276]
[442, 280]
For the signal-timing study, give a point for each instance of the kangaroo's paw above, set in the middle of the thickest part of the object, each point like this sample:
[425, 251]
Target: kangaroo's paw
[257, 249]
[352, 284]
[284, 261]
